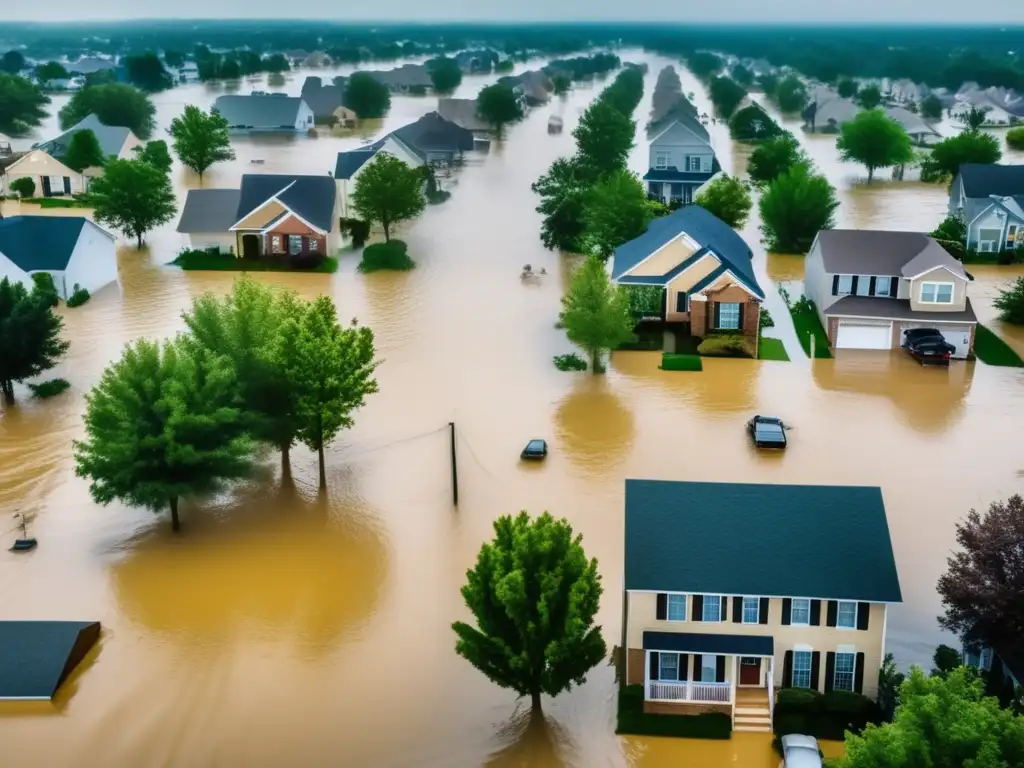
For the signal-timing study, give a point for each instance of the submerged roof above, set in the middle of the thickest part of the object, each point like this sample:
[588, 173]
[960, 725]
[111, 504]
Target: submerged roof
[984, 179]
[111, 138]
[272, 110]
[35, 243]
[209, 210]
[37, 656]
[817, 541]
[883, 252]
[462, 112]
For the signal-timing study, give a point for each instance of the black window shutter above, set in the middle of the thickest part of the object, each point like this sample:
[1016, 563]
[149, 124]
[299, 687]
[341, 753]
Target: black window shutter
[742, 307]
[833, 612]
[815, 613]
[723, 610]
[763, 611]
[67, 185]
[815, 664]
[680, 302]
[718, 315]
[698, 608]
[720, 669]
[652, 670]
[830, 670]
[853, 286]
[661, 610]
[894, 287]
[787, 610]
[737, 610]
[835, 285]
[787, 670]
[863, 615]
[871, 286]
[698, 663]
[858, 674]
[684, 666]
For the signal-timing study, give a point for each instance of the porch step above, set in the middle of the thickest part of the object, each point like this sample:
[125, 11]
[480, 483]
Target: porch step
[752, 728]
[753, 711]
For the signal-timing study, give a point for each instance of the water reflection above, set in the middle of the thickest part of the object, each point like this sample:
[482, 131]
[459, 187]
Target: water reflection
[594, 425]
[724, 387]
[531, 740]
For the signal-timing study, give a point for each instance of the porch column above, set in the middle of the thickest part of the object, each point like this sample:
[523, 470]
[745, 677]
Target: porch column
[732, 682]
[647, 675]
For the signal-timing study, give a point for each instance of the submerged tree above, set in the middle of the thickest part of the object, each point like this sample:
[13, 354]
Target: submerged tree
[563, 191]
[946, 157]
[534, 596]
[388, 191]
[604, 137]
[1010, 302]
[617, 210]
[133, 196]
[795, 207]
[113, 104]
[201, 139]
[874, 140]
[595, 312]
[773, 158]
[497, 105]
[727, 198]
[30, 341]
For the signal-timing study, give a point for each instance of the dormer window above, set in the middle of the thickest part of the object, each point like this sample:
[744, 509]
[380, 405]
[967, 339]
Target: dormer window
[936, 293]
[662, 160]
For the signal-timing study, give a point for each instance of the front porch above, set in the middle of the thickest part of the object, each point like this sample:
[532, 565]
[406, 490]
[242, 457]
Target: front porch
[256, 244]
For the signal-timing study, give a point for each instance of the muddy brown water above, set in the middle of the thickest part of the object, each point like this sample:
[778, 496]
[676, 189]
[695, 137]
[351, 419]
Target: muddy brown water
[283, 628]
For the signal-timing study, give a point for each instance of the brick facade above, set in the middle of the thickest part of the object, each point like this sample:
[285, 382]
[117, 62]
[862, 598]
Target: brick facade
[689, 708]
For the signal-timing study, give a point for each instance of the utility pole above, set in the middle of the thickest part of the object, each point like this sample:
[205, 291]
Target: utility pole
[455, 466]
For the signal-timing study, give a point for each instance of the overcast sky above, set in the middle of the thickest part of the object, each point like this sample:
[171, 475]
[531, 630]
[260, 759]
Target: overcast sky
[740, 11]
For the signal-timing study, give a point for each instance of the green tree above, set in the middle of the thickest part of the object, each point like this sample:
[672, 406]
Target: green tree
[561, 84]
[161, 424]
[367, 97]
[742, 75]
[388, 191]
[83, 152]
[889, 682]
[791, 94]
[113, 104]
[752, 123]
[12, 62]
[249, 62]
[874, 140]
[1010, 302]
[444, 74]
[595, 312]
[330, 369]
[21, 104]
[563, 191]
[946, 157]
[952, 235]
[941, 722]
[133, 196]
[795, 207]
[768, 83]
[51, 70]
[504, 67]
[973, 118]
[228, 69]
[30, 341]
[774, 157]
[1015, 138]
[201, 139]
[727, 198]
[931, 107]
[704, 64]
[276, 63]
[604, 137]
[869, 97]
[174, 59]
[726, 94]
[616, 211]
[24, 186]
[156, 154]
[847, 88]
[497, 105]
[945, 660]
[147, 72]
[534, 595]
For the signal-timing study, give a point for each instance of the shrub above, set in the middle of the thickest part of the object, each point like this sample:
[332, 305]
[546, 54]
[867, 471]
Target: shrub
[390, 255]
[632, 719]
[78, 297]
[1015, 138]
[828, 716]
[725, 345]
[49, 388]
[437, 196]
[1010, 302]
[309, 260]
[672, 362]
[25, 187]
[766, 320]
[570, 362]
[45, 286]
[798, 698]
[357, 229]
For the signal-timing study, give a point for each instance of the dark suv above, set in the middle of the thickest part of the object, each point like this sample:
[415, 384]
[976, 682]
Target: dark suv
[932, 349]
[919, 334]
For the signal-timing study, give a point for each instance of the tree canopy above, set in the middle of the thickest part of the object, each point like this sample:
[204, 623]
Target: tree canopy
[774, 157]
[83, 151]
[174, 58]
[52, 70]
[742, 75]
[12, 62]
[21, 104]
[795, 207]
[367, 97]
[874, 140]
[752, 123]
[133, 196]
[497, 105]
[946, 157]
[147, 72]
[973, 118]
[595, 312]
[791, 94]
[846, 87]
[931, 107]
[1010, 302]
[444, 74]
[726, 94]
[30, 341]
[616, 211]
[704, 64]
[155, 153]
[604, 137]
[534, 596]
[201, 139]
[388, 191]
[563, 191]
[869, 97]
[727, 198]
[1015, 138]
[113, 104]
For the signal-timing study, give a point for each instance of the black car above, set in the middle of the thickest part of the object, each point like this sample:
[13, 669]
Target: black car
[535, 449]
[920, 334]
[767, 432]
[934, 351]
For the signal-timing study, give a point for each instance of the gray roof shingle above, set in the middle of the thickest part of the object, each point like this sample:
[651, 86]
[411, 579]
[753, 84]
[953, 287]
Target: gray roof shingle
[35, 243]
[37, 656]
[432, 133]
[259, 110]
[896, 309]
[983, 179]
[311, 197]
[110, 137]
[816, 541]
[209, 210]
[882, 252]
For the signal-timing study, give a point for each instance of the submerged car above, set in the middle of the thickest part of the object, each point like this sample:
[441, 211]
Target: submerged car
[920, 334]
[535, 449]
[799, 751]
[931, 351]
[767, 432]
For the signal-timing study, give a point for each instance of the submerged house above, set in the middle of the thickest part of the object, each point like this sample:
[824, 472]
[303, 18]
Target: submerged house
[265, 112]
[324, 100]
[114, 140]
[681, 158]
[50, 176]
[462, 112]
[990, 200]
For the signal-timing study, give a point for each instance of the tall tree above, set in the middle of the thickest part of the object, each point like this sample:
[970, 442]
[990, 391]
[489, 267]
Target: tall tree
[147, 72]
[595, 312]
[534, 596]
[704, 64]
[276, 63]
[563, 191]
[973, 118]
[948, 155]
[604, 137]
[726, 94]
[727, 198]
[388, 191]
[21, 104]
[497, 105]
[174, 59]
[752, 123]
[83, 152]
[161, 424]
[201, 139]
[774, 157]
[931, 107]
[133, 196]
[846, 87]
[869, 97]
[616, 211]
[367, 97]
[12, 62]
[51, 70]
[330, 369]
[156, 154]
[982, 589]
[113, 104]
[795, 207]
[444, 74]
[874, 140]
[30, 341]
[742, 75]
[791, 94]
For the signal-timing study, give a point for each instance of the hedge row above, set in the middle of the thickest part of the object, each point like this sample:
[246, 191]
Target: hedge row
[633, 719]
[671, 362]
[824, 716]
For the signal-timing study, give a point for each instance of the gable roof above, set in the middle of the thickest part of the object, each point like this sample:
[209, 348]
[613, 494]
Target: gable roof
[209, 210]
[323, 99]
[432, 133]
[111, 138]
[912, 123]
[10, 163]
[36, 657]
[310, 197]
[825, 542]
[658, 129]
[882, 252]
[984, 179]
[707, 229]
[350, 162]
[35, 243]
[259, 110]
[462, 112]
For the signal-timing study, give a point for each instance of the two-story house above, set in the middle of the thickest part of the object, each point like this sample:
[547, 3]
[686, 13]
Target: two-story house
[871, 286]
[681, 158]
[733, 591]
[990, 200]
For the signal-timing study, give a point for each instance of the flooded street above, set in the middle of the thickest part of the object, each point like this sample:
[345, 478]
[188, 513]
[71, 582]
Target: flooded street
[283, 628]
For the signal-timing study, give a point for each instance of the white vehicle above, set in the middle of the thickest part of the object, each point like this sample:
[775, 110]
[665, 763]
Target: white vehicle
[799, 751]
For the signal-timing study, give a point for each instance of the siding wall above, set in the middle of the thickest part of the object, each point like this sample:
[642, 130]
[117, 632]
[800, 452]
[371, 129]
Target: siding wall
[682, 144]
[668, 258]
[938, 276]
[93, 263]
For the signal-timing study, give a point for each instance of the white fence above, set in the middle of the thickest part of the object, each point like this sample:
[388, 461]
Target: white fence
[712, 693]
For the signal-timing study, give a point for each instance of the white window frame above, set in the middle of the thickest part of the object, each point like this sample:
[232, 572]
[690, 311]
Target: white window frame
[661, 660]
[884, 280]
[757, 610]
[937, 286]
[721, 320]
[718, 608]
[852, 673]
[662, 159]
[292, 239]
[839, 613]
[849, 285]
[799, 654]
[668, 607]
[792, 612]
[691, 162]
[713, 667]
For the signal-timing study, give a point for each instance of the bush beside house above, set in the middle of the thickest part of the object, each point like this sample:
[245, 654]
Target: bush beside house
[632, 719]
[824, 716]
[392, 254]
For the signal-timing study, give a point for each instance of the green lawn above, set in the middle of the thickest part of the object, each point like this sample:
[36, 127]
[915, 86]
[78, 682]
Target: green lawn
[992, 350]
[771, 349]
[805, 319]
[226, 262]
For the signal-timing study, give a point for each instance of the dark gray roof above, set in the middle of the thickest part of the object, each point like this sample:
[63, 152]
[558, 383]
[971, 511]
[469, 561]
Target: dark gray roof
[323, 99]
[37, 656]
[678, 115]
[405, 76]
[982, 180]
[432, 133]
[881, 252]
[895, 309]
[462, 112]
[693, 642]
[259, 111]
[35, 243]
[351, 161]
[110, 137]
[707, 229]
[817, 541]
[311, 197]
[209, 210]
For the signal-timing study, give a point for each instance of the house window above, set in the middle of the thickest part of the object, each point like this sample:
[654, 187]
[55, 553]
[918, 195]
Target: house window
[314, 244]
[751, 610]
[843, 678]
[676, 608]
[668, 666]
[845, 285]
[712, 608]
[294, 244]
[801, 669]
[988, 239]
[662, 160]
[1011, 236]
[694, 164]
[846, 617]
[709, 669]
[882, 286]
[682, 302]
[275, 244]
[936, 293]
[729, 316]
[801, 613]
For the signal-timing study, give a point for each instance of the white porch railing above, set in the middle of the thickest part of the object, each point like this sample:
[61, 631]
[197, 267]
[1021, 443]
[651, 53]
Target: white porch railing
[711, 693]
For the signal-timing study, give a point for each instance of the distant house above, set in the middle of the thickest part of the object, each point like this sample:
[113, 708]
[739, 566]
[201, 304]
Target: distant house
[51, 177]
[89, 65]
[475, 62]
[435, 139]
[269, 215]
[919, 131]
[1002, 106]
[72, 249]
[316, 59]
[828, 111]
[345, 117]
[871, 287]
[680, 158]
[408, 77]
[990, 199]
[462, 112]
[324, 100]
[114, 140]
[351, 163]
[265, 112]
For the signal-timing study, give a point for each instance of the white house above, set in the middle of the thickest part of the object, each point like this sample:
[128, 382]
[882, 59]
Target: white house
[74, 250]
[50, 176]
[269, 112]
[350, 164]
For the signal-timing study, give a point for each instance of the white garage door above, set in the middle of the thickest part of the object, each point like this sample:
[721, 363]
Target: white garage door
[854, 335]
[957, 335]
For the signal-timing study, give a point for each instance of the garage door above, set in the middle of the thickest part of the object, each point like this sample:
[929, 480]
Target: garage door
[853, 335]
[957, 335]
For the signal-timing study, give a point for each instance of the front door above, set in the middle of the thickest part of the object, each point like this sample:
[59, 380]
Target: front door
[250, 246]
[750, 670]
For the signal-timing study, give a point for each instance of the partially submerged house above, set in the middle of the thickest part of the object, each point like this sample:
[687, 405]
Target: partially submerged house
[404, 79]
[827, 111]
[990, 200]
[114, 140]
[265, 112]
[680, 157]
[324, 100]
[463, 113]
[919, 131]
[50, 176]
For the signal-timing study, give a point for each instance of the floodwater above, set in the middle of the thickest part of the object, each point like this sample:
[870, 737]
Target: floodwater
[286, 628]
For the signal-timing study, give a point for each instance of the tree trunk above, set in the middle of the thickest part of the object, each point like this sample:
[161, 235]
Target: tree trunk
[286, 462]
[7, 387]
[320, 452]
[175, 522]
[138, 241]
[387, 231]
[200, 178]
[871, 173]
[535, 704]
[595, 361]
